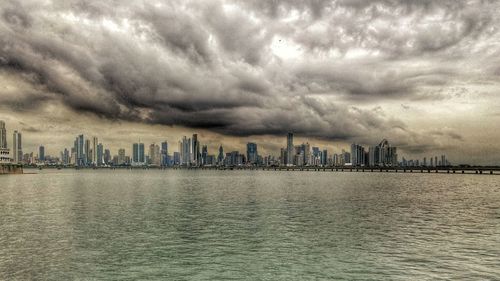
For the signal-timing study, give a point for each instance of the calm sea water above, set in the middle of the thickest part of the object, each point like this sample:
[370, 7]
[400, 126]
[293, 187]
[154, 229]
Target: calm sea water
[248, 225]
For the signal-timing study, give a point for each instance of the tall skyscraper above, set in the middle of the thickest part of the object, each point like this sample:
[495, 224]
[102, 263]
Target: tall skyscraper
[107, 156]
[252, 154]
[357, 155]
[195, 153]
[41, 153]
[289, 149]
[95, 143]
[204, 155]
[65, 157]
[17, 147]
[88, 150]
[165, 159]
[79, 151]
[220, 157]
[324, 157]
[138, 158]
[3, 135]
[100, 155]
[185, 151]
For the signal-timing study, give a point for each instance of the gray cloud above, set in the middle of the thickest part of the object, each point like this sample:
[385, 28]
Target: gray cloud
[219, 65]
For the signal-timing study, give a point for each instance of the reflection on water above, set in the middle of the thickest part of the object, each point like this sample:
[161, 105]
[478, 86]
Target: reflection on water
[248, 225]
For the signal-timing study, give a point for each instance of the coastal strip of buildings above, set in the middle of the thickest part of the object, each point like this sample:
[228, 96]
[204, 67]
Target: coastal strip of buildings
[191, 152]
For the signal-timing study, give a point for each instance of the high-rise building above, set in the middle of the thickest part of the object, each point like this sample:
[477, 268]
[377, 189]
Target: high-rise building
[17, 148]
[177, 158]
[138, 158]
[3, 135]
[79, 150]
[121, 160]
[154, 155]
[100, 155]
[107, 156]
[41, 153]
[93, 157]
[165, 159]
[252, 154]
[185, 151]
[204, 155]
[195, 153]
[357, 155]
[387, 154]
[220, 157]
[289, 149]
[66, 157]
[88, 152]
[374, 156]
[324, 158]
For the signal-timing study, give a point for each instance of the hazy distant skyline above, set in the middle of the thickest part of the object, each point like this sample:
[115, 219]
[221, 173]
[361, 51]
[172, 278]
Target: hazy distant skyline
[423, 74]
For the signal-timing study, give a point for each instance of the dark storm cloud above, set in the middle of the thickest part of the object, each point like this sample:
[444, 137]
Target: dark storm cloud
[230, 67]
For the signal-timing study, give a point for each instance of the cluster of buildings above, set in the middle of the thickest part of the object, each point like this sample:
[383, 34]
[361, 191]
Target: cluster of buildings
[89, 152]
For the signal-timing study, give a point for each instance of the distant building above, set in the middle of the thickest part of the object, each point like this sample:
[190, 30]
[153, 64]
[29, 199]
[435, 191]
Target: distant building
[93, 156]
[185, 151]
[252, 155]
[220, 157]
[165, 159]
[41, 154]
[100, 155]
[195, 153]
[357, 155]
[204, 155]
[17, 148]
[289, 149]
[3, 135]
[138, 158]
[88, 153]
[121, 159]
[107, 156]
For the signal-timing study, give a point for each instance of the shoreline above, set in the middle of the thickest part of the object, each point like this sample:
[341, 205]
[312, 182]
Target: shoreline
[400, 170]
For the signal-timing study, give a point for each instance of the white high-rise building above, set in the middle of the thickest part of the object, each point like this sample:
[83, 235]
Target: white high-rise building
[95, 143]
[17, 147]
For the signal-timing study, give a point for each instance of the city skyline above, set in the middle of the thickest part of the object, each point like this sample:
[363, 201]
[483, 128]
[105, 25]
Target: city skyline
[423, 74]
[90, 152]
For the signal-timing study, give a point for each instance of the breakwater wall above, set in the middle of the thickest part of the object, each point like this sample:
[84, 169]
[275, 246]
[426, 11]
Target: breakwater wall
[10, 169]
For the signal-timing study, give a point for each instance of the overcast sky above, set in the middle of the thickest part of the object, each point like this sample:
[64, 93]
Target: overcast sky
[423, 74]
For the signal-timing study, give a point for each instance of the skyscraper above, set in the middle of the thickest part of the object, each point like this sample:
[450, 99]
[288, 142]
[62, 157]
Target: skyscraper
[100, 155]
[3, 135]
[220, 157]
[165, 159]
[138, 154]
[107, 156]
[88, 150]
[41, 153]
[289, 149]
[204, 155]
[17, 147]
[357, 155]
[79, 151]
[195, 153]
[185, 151]
[95, 143]
[252, 153]
[121, 157]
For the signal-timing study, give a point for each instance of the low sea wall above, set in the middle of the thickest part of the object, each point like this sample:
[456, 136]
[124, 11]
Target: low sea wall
[10, 169]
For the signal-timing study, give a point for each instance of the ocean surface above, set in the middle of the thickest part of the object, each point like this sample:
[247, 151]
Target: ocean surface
[248, 225]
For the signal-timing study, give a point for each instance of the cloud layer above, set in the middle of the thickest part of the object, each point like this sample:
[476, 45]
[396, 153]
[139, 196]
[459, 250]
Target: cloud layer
[331, 70]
